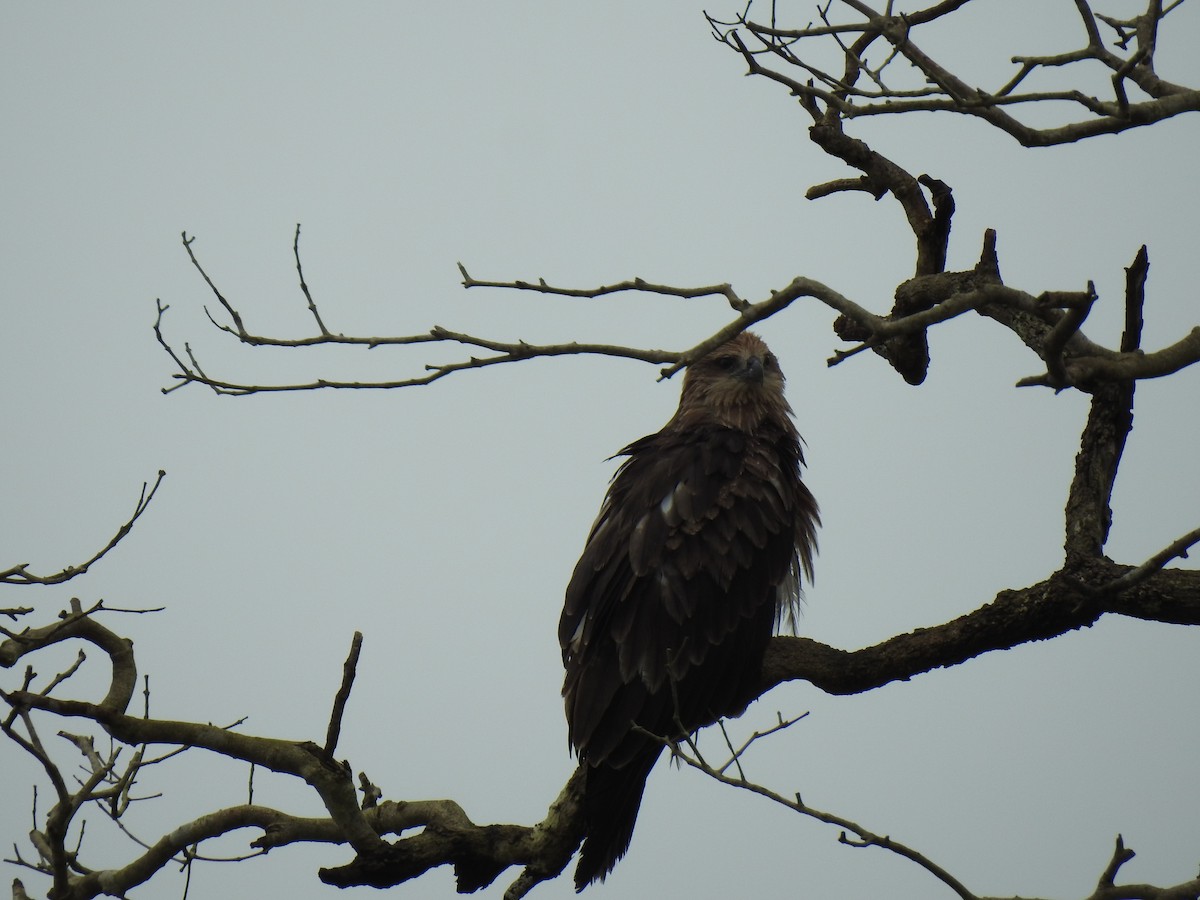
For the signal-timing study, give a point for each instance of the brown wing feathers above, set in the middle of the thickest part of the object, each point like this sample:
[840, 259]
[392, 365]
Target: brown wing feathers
[695, 553]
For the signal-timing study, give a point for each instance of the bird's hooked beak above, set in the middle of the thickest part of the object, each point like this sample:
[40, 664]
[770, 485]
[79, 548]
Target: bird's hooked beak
[753, 370]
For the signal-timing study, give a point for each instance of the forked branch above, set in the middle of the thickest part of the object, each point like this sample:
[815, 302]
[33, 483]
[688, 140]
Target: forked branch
[854, 834]
[805, 60]
[1070, 599]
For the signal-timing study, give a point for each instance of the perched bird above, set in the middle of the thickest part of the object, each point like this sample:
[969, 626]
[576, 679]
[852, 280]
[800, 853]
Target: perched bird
[692, 563]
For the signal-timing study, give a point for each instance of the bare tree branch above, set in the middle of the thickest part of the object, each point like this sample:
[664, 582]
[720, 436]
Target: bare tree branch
[1106, 889]
[20, 574]
[877, 68]
[852, 29]
[862, 836]
[1052, 607]
[633, 284]
[1090, 587]
[479, 853]
[841, 97]
[926, 300]
[1177, 549]
[343, 695]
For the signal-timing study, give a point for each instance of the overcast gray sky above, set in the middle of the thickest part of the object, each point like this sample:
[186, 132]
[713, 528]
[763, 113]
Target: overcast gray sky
[583, 144]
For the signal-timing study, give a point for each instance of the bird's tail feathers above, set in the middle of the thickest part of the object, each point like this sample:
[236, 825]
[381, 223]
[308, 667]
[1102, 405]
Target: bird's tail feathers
[611, 800]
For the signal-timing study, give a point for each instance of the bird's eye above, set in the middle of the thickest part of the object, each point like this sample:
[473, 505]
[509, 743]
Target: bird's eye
[726, 363]
[771, 361]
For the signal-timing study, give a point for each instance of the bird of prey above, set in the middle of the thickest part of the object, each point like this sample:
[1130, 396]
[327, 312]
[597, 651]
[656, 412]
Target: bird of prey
[694, 560]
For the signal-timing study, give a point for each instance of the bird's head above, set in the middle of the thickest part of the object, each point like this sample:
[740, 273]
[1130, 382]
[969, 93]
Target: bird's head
[737, 385]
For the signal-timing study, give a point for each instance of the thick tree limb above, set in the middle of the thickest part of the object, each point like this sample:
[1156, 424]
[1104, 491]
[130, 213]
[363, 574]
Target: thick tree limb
[1073, 598]
[302, 759]
[1087, 587]
[80, 624]
[478, 853]
[1039, 612]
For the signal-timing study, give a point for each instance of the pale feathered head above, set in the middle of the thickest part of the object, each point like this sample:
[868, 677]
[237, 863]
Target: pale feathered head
[738, 385]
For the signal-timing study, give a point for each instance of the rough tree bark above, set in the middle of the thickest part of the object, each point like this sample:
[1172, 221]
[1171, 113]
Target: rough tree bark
[1087, 585]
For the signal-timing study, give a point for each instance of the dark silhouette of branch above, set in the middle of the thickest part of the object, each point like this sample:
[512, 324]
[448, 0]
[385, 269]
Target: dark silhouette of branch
[633, 284]
[930, 297]
[478, 853]
[343, 694]
[20, 574]
[791, 57]
[853, 834]
[1072, 360]
[689, 754]
[189, 370]
[1047, 609]
[1088, 587]
[826, 94]
[1177, 549]
[870, 48]
[312, 304]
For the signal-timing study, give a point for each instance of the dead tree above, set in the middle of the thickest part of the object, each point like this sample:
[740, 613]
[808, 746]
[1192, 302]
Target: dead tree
[856, 61]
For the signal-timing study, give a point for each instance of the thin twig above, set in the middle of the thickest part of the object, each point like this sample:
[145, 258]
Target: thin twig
[20, 574]
[864, 837]
[312, 306]
[233, 313]
[1177, 549]
[633, 284]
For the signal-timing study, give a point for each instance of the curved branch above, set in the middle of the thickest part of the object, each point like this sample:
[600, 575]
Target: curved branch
[189, 371]
[863, 836]
[923, 301]
[79, 623]
[117, 882]
[20, 574]
[478, 853]
[932, 232]
[944, 91]
[1137, 366]
[1106, 888]
[301, 759]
